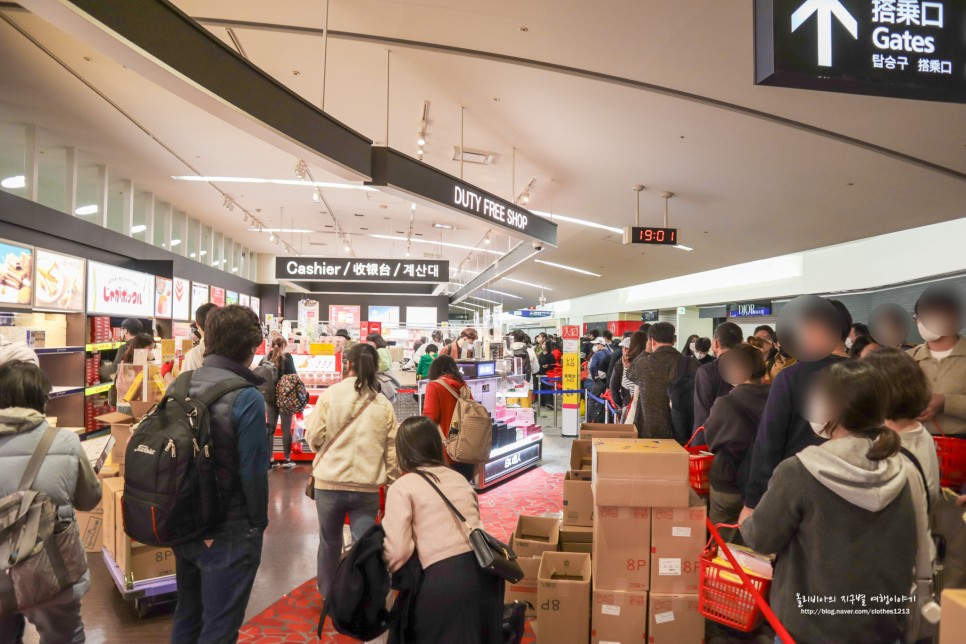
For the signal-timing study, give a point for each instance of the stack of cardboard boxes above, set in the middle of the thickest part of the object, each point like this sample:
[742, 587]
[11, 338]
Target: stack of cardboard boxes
[136, 561]
[649, 532]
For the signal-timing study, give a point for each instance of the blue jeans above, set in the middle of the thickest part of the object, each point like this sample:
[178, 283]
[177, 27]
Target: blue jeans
[215, 579]
[332, 506]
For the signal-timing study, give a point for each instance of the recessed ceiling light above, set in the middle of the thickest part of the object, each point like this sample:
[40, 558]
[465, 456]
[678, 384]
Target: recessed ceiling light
[443, 226]
[86, 210]
[490, 290]
[683, 247]
[277, 182]
[192, 255]
[510, 279]
[483, 299]
[281, 230]
[575, 220]
[203, 253]
[140, 228]
[437, 243]
[234, 269]
[566, 268]
[14, 183]
[175, 242]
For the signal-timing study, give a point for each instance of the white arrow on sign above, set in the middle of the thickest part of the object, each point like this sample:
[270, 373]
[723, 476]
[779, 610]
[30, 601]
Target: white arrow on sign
[825, 9]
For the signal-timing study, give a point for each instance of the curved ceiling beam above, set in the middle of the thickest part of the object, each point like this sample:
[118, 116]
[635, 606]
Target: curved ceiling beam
[595, 76]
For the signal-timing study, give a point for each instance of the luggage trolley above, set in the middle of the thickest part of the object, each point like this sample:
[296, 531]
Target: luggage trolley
[146, 594]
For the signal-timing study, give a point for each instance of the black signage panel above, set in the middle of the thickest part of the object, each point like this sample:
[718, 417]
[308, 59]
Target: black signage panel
[511, 462]
[749, 309]
[341, 269]
[651, 235]
[651, 315]
[392, 169]
[901, 48]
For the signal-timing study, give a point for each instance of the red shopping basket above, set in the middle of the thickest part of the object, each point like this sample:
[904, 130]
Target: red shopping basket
[738, 604]
[951, 452]
[699, 466]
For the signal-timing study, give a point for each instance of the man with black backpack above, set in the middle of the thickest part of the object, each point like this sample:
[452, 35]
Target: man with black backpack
[217, 570]
[665, 380]
[709, 385]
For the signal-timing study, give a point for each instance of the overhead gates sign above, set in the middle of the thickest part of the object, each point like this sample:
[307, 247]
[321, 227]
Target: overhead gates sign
[901, 48]
[340, 269]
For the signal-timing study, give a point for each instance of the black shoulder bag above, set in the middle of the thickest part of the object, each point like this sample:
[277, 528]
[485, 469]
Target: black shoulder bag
[493, 555]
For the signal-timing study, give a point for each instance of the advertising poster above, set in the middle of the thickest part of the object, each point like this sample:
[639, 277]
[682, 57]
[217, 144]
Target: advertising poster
[217, 296]
[423, 315]
[199, 296]
[388, 315]
[245, 300]
[16, 273]
[308, 314]
[119, 292]
[571, 379]
[256, 305]
[59, 281]
[231, 297]
[181, 298]
[366, 328]
[344, 316]
[162, 298]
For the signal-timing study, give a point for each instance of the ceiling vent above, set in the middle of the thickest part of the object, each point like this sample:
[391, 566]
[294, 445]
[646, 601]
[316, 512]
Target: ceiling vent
[479, 157]
[432, 256]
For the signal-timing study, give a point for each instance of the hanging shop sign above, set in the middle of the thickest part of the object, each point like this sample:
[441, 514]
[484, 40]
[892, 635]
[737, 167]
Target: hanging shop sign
[16, 274]
[900, 48]
[749, 309]
[338, 269]
[59, 282]
[199, 296]
[532, 313]
[231, 297]
[181, 299]
[651, 315]
[119, 292]
[421, 182]
[162, 298]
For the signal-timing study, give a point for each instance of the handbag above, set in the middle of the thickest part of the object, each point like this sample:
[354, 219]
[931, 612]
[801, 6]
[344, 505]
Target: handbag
[492, 555]
[310, 486]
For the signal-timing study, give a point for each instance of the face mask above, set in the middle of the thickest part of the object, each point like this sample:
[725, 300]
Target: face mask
[926, 334]
[699, 355]
[818, 428]
[848, 343]
[692, 347]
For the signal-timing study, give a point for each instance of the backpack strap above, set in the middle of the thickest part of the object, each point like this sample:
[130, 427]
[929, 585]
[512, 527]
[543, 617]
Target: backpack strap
[221, 389]
[922, 473]
[440, 382]
[33, 466]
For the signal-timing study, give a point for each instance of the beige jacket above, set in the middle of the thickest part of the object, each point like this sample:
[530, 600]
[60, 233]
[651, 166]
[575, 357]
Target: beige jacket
[417, 519]
[364, 457]
[946, 377]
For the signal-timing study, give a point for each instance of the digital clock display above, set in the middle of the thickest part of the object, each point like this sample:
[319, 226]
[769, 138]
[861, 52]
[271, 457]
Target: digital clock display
[647, 235]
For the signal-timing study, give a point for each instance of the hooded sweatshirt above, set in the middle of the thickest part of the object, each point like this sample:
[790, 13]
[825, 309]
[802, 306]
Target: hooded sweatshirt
[10, 351]
[841, 526]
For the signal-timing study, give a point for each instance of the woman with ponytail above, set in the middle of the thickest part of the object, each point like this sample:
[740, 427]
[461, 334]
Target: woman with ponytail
[840, 517]
[282, 364]
[352, 430]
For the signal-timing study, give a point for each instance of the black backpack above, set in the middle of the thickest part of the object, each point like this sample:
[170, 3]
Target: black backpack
[267, 371]
[170, 491]
[357, 600]
[680, 393]
[525, 359]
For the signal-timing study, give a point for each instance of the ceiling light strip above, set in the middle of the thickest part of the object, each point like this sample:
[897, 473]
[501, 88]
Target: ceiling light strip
[566, 268]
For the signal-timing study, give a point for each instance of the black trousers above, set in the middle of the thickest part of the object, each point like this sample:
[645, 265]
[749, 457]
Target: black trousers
[458, 604]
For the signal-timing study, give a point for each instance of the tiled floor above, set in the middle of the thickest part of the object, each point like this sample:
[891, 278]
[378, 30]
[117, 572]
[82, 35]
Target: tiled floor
[288, 558]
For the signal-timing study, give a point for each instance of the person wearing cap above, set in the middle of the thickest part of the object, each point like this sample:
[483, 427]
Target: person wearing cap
[598, 377]
[132, 328]
[620, 396]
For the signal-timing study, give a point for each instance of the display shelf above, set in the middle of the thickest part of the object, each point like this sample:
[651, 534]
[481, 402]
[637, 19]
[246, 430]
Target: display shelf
[102, 388]
[60, 392]
[103, 346]
[46, 351]
[512, 447]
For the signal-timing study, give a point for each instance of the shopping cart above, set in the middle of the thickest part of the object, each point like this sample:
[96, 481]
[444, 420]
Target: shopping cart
[699, 466]
[739, 602]
[951, 452]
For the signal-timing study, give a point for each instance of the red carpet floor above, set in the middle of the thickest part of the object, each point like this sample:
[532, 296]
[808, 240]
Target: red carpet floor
[294, 617]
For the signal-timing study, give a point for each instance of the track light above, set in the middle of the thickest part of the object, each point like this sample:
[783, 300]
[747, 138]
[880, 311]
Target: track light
[316, 196]
[421, 141]
[301, 170]
[486, 240]
[272, 238]
[419, 153]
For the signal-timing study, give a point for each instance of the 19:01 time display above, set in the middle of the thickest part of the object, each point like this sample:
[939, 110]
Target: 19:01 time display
[647, 235]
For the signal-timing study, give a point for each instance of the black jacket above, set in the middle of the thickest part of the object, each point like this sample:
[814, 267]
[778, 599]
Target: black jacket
[730, 432]
[238, 434]
[618, 394]
[653, 373]
[708, 386]
[783, 430]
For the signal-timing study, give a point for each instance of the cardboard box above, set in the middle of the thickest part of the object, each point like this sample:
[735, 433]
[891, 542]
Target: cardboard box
[677, 541]
[622, 549]
[122, 428]
[581, 455]
[578, 498]
[110, 489]
[640, 473]
[563, 597]
[953, 623]
[90, 525]
[535, 535]
[576, 539]
[607, 430]
[618, 617]
[673, 619]
[139, 562]
[525, 590]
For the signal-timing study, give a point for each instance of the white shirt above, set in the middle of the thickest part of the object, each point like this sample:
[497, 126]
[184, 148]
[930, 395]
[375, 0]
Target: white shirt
[194, 358]
[940, 355]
